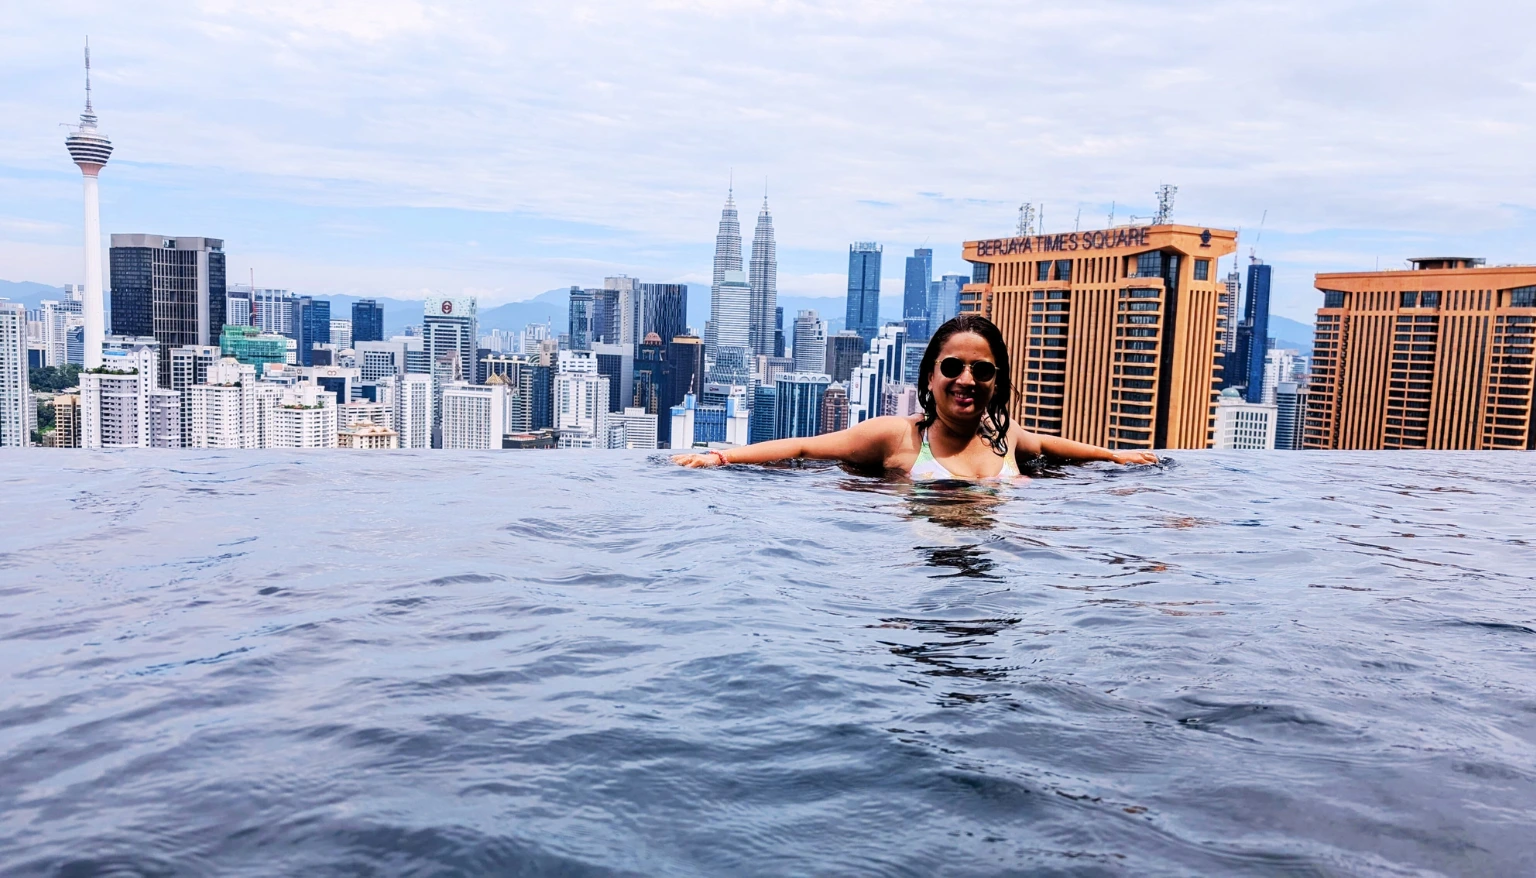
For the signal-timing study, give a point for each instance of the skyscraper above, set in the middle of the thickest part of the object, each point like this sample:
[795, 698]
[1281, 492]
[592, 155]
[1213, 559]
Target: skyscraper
[169, 289]
[664, 311]
[765, 285]
[312, 325]
[1439, 356]
[1253, 335]
[727, 258]
[834, 408]
[367, 321]
[450, 329]
[883, 366]
[623, 311]
[15, 396]
[90, 149]
[761, 424]
[845, 350]
[914, 303]
[341, 334]
[1290, 415]
[863, 314]
[731, 315]
[580, 319]
[189, 367]
[684, 375]
[1112, 332]
[798, 404]
[810, 344]
[944, 300]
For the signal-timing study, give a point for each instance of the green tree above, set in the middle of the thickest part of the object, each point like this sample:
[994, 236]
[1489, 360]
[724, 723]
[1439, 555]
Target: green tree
[54, 378]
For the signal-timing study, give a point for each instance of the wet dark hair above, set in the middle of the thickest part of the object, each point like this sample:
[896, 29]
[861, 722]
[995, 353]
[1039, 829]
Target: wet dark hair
[994, 422]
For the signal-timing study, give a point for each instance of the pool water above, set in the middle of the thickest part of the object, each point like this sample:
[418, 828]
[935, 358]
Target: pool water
[571, 663]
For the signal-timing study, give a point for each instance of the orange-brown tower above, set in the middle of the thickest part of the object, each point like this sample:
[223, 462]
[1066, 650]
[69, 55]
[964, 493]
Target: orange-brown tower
[1113, 334]
[1439, 356]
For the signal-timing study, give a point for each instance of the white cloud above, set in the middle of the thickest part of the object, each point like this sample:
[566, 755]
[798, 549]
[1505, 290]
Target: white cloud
[625, 117]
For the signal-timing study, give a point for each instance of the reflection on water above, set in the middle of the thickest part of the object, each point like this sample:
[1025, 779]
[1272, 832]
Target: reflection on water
[602, 664]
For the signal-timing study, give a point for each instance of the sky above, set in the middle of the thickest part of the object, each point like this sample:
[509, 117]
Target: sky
[502, 149]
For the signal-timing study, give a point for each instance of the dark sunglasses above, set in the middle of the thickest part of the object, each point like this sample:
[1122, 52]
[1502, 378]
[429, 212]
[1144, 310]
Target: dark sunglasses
[981, 370]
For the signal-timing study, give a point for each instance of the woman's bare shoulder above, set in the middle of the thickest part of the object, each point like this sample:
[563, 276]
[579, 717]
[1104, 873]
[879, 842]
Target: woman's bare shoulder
[1023, 440]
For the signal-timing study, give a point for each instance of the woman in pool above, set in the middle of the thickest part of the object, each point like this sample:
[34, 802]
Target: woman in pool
[963, 433]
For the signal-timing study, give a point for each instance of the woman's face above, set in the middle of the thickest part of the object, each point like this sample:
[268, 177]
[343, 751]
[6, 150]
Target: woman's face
[962, 398]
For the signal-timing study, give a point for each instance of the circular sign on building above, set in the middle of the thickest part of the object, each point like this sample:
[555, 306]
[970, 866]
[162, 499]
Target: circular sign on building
[447, 307]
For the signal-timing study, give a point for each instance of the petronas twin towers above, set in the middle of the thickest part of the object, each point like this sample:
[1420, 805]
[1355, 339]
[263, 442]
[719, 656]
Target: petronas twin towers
[742, 306]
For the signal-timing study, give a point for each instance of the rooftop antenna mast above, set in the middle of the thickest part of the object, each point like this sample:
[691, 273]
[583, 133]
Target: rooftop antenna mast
[1111, 215]
[1077, 224]
[1026, 220]
[1165, 195]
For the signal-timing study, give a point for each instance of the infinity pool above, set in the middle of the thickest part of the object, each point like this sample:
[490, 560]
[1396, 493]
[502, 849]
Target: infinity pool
[563, 663]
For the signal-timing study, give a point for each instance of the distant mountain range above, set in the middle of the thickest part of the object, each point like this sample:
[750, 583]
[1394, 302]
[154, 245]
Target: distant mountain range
[551, 307]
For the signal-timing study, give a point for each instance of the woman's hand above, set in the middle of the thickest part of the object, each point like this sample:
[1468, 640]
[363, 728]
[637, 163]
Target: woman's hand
[699, 461]
[1125, 457]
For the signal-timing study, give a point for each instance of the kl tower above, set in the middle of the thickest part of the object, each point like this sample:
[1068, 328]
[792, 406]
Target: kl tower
[90, 149]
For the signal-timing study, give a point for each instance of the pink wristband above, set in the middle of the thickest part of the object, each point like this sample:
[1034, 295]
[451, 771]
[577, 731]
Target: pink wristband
[720, 455]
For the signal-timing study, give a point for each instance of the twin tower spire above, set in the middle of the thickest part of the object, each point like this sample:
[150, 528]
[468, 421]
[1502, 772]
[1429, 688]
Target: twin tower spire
[757, 322]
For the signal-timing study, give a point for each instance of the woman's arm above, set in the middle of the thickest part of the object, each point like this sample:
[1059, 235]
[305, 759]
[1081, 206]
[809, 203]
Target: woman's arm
[866, 444]
[1055, 446]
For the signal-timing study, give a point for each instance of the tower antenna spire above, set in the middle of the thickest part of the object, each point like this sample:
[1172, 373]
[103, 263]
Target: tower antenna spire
[88, 74]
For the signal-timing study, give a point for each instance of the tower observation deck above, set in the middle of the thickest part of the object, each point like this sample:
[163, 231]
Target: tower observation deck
[88, 147]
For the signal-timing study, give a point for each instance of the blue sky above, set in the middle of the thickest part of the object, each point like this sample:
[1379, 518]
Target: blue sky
[391, 147]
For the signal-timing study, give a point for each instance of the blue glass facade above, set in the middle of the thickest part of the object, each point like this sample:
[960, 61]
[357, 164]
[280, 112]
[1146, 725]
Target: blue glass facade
[709, 423]
[1256, 319]
[760, 427]
[367, 321]
[579, 319]
[914, 303]
[312, 325]
[798, 410]
[863, 313]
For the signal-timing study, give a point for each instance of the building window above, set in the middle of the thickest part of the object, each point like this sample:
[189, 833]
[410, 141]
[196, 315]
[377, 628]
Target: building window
[1042, 271]
[1064, 269]
[1410, 300]
[1150, 264]
[1202, 269]
[1429, 299]
[1522, 297]
[1333, 299]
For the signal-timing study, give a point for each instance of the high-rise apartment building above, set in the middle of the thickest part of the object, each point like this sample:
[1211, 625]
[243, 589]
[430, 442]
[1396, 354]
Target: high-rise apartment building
[413, 410]
[121, 404]
[621, 311]
[474, 416]
[367, 321]
[835, 413]
[863, 310]
[914, 300]
[883, 366]
[635, 428]
[66, 420]
[189, 366]
[798, 400]
[727, 258]
[845, 351]
[230, 408]
[616, 363]
[1227, 319]
[15, 392]
[450, 328]
[1112, 333]
[731, 312]
[237, 306]
[1243, 425]
[169, 289]
[272, 311]
[304, 416]
[581, 402]
[1439, 356]
[764, 280]
[810, 344]
[341, 334]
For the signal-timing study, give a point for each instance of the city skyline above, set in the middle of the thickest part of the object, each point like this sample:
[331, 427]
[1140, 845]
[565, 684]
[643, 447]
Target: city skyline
[238, 157]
